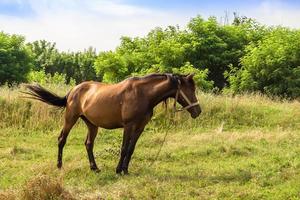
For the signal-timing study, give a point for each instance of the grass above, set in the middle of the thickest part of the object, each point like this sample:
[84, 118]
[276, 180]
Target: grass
[242, 147]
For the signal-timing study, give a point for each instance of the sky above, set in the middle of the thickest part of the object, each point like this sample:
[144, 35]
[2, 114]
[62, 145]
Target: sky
[75, 25]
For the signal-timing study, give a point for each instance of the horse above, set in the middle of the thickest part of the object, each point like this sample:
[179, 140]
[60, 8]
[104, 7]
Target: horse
[128, 104]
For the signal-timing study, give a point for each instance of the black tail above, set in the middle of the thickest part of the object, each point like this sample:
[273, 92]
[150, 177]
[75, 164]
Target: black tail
[37, 92]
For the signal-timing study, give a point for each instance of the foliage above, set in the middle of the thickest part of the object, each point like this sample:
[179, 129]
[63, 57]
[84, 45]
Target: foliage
[42, 78]
[244, 56]
[76, 66]
[215, 47]
[160, 51]
[208, 47]
[200, 76]
[45, 56]
[15, 59]
[271, 66]
[111, 67]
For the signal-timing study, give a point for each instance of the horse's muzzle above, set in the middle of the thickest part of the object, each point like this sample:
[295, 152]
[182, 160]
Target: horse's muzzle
[196, 113]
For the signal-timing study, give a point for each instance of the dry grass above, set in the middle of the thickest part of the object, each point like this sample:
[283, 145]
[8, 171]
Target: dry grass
[41, 187]
[8, 195]
[17, 111]
[45, 188]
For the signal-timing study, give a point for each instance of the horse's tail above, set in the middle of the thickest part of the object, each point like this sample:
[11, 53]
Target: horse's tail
[37, 92]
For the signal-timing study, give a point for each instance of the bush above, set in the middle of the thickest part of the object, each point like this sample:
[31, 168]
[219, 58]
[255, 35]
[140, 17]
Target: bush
[15, 59]
[161, 51]
[271, 66]
[200, 77]
[42, 78]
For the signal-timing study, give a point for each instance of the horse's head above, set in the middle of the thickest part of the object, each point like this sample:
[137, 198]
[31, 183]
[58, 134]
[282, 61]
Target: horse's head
[186, 95]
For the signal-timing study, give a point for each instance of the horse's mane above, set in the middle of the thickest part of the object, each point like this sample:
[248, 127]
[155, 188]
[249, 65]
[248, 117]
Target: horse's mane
[148, 76]
[156, 75]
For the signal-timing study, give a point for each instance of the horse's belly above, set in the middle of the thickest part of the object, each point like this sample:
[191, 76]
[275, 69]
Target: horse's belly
[105, 118]
[107, 123]
[102, 107]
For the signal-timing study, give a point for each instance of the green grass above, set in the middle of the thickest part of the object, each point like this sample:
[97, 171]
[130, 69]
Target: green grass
[243, 147]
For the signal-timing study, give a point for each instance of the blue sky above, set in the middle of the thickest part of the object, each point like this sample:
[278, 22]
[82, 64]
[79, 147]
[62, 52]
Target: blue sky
[78, 24]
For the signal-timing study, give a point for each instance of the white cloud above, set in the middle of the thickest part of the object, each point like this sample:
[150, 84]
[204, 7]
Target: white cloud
[276, 12]
[75, 25]
[117, 9]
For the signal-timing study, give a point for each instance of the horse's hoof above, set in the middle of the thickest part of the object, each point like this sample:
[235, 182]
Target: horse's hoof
[118, 171]
[95, 169]
[125, 171]
[59, 165]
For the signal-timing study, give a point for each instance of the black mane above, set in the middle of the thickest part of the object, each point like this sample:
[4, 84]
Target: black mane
[155, 75]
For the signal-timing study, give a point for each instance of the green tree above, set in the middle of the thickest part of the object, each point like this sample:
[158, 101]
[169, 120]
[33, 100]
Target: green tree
[271, 66]
[85, 61]
[45, 55]
[111, 67]
[78, 66]
[216, 47]
[42, 78]
[160, 51]
[15, 59]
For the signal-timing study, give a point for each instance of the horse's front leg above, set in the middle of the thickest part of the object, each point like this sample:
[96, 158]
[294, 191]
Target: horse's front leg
[137, 129]
[130, 150]
[132, 133]
[130, 137]
[125, 143]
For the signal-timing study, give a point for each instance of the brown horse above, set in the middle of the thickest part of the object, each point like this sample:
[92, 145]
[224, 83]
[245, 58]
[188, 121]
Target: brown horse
[128, 104]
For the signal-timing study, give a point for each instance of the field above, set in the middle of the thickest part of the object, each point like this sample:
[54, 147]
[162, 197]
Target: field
[241, 147]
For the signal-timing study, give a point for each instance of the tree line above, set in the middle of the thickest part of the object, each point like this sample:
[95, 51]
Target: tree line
[243, 56]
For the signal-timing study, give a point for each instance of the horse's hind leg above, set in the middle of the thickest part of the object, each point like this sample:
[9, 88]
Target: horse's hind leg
[70, 120]
[89, 143]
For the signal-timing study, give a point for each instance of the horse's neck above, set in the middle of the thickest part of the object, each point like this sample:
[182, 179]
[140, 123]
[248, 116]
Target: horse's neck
[160, 90]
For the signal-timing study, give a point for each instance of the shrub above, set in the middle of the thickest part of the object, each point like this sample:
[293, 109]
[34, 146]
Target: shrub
[42, 78]
[272, 66]
[15, 59]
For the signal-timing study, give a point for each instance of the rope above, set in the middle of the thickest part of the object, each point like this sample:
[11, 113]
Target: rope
[164, 140]
[158, 152]
[190, 104]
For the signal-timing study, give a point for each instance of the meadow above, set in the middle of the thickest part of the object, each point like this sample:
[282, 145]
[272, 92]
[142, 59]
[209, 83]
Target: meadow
[241, 147]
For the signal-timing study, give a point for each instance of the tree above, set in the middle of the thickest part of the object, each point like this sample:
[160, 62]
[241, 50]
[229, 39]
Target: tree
[45, 56]
[85, 61]
[216, 47]
[78, 66]
[271, 66]
[160, 51]
[15, 59]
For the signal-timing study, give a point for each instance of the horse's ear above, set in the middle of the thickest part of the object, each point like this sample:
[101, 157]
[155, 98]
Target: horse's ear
[190, 76]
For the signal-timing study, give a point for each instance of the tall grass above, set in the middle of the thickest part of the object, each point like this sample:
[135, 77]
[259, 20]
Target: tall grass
[20, 112]
[223, 111]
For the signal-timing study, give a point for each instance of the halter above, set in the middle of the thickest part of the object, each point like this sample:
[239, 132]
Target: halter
[190, 104]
